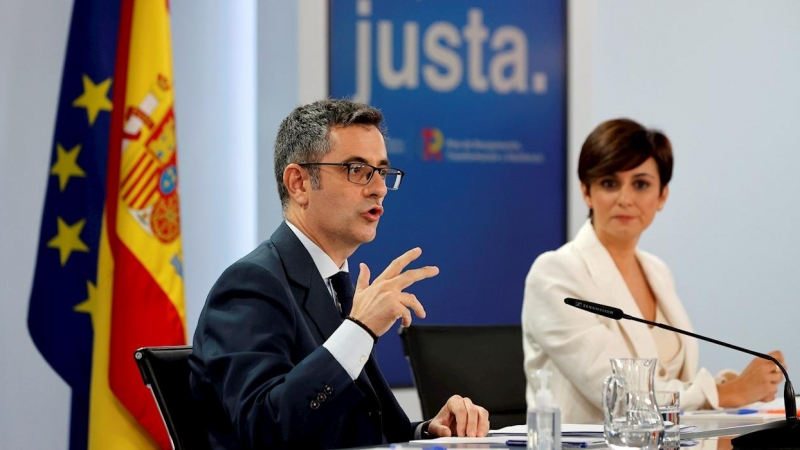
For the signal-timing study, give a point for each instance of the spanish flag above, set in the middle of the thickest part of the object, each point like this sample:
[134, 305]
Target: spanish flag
[109, 272]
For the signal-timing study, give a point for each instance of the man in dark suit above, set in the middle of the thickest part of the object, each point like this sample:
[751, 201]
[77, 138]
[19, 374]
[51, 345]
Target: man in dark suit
[283, 351]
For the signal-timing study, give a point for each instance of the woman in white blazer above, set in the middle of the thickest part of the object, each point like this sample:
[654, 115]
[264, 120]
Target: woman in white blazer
[624, 170]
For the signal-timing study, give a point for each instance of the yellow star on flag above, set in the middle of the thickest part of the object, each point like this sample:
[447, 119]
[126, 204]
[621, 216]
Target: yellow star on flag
[66, 165]
[87, 306]
[68, 239]
[94, 98]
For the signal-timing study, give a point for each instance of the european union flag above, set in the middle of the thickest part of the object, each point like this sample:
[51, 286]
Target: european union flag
[66, 269]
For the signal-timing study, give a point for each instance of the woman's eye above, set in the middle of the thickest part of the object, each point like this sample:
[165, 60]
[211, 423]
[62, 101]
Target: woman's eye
[607, 183]
[641, 185]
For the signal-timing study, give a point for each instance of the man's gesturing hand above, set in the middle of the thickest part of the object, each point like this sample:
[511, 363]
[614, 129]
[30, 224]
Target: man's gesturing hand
[380, 304]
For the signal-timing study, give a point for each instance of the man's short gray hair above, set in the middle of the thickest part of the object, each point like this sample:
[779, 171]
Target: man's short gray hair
[304, 136]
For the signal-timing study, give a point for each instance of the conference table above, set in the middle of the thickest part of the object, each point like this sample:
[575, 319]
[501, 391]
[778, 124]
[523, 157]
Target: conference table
[723, 429]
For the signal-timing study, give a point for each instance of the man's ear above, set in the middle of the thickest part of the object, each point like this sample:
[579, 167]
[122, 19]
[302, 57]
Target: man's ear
[297, 183]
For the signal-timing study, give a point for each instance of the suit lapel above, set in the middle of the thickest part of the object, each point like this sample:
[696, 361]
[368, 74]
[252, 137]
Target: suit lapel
[311, 292]
[610, 283]
[308, 288]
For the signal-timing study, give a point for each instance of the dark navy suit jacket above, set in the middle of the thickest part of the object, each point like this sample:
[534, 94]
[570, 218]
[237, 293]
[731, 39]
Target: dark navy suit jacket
[260, 375]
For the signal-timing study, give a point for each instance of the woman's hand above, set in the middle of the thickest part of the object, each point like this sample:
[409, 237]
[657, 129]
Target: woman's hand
[757, 383]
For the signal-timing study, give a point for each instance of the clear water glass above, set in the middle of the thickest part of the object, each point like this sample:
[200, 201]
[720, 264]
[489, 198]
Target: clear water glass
[669, 405]
[637, 427]
[632, 419]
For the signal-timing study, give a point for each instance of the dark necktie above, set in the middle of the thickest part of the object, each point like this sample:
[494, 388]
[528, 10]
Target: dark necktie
[344, 292]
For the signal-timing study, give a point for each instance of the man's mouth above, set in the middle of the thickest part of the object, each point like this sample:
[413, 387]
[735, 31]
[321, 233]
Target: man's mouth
[374, 213]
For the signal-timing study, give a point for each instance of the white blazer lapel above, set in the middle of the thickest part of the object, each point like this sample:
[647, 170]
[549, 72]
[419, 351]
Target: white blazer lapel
[614, 291]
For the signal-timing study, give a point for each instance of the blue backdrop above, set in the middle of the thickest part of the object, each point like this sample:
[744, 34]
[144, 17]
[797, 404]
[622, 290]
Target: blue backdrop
[474, 96]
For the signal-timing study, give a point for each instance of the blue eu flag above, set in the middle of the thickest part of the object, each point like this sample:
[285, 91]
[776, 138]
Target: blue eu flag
[66, 268]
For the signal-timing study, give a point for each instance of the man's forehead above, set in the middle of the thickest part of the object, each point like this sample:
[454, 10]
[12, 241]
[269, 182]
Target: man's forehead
[359, 142]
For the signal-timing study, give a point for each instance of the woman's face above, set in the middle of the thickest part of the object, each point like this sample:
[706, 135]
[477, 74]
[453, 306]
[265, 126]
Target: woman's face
[625, 203]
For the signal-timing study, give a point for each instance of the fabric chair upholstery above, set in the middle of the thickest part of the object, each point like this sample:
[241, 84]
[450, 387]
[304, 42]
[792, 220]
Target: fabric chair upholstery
[482, 362]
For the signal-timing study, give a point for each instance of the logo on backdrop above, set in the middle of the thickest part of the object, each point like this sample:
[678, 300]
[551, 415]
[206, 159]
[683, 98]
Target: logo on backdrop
[435, 147]
[432, 144]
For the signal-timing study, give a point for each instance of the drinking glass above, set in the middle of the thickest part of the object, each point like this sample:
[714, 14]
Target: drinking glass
[632, 419]
[669, 405]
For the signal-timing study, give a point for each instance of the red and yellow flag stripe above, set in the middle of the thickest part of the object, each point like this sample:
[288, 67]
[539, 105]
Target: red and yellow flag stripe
[140, 269]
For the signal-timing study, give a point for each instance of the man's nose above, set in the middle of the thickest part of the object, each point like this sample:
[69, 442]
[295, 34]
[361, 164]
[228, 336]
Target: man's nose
[376, 186]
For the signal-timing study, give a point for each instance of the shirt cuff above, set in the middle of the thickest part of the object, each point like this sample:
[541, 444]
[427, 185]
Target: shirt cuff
[350, 345]
[701, 393]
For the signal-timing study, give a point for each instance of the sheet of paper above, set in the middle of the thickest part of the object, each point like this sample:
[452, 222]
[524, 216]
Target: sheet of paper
[568, 429]
[490, 440]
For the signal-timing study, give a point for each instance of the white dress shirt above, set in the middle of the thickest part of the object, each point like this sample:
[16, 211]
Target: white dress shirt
[350, 344]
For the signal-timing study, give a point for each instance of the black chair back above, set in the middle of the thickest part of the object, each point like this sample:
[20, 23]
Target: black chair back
[165, 370]
[482, 362]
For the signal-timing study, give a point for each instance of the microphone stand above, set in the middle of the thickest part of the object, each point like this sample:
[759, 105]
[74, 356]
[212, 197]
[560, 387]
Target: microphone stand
[788, 390]
[783, 437]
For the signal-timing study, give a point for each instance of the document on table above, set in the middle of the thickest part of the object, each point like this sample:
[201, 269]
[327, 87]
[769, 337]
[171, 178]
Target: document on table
[502, 439]
[569, 430]
[590, 435]
[754, 412]
[733, 430]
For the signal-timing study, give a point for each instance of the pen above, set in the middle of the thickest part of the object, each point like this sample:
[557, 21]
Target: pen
[427, 447]
[743, 411]
[777, 411]
[738, 411]
[523, 443]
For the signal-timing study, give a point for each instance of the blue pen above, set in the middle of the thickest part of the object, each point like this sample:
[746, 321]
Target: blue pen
[427, 447]
[738, 411]
[523, 443]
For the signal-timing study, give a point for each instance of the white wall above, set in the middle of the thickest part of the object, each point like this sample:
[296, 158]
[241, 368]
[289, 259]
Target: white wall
[32, 45]
[277, 94]
[718, 77]
[214, 60]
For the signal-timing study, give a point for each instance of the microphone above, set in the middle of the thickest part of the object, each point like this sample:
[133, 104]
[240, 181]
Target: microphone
[785, 436]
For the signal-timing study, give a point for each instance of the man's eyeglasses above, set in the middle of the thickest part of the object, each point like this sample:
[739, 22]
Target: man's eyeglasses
[361, 173]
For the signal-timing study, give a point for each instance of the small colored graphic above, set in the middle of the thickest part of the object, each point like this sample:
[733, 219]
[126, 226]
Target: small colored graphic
[432, 141]
[150, 174]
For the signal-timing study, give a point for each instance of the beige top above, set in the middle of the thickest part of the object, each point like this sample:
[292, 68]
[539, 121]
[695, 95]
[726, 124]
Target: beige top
[668, 344]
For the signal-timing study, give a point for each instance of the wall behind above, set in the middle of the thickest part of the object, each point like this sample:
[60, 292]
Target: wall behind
[32, 46]
[214, 48]
[720, 79]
